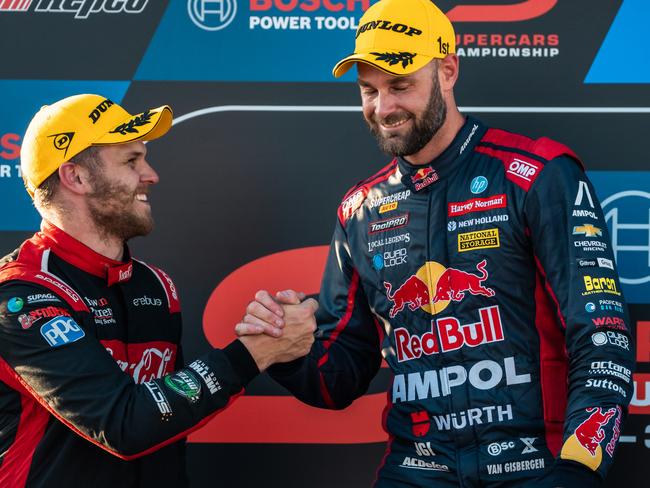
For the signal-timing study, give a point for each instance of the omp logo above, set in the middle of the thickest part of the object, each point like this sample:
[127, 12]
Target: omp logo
[628, 215]
[212, 15]
[80, 8]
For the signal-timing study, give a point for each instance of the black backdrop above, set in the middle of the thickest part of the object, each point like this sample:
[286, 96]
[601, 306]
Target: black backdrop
[265, 143]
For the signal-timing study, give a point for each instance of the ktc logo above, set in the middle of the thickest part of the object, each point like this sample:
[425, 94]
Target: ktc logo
[628, 215]
[212, 15]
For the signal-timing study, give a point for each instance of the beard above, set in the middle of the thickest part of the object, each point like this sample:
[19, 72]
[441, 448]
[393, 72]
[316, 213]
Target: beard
[112, 209]
[425, 126]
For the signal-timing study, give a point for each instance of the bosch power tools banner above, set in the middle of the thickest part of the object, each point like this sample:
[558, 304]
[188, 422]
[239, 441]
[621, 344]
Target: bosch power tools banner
[265, 144]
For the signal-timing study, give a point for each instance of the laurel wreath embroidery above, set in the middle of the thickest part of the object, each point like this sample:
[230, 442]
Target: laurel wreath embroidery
[394, 58]
[130, 126]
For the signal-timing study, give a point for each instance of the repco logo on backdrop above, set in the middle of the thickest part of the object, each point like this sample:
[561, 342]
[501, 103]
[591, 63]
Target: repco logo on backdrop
[80, 8]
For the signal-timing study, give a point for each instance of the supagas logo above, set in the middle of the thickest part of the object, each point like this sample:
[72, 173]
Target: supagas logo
[434, 286]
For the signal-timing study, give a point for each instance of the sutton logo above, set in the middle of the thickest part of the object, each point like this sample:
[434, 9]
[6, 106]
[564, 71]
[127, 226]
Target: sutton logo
[434, 286]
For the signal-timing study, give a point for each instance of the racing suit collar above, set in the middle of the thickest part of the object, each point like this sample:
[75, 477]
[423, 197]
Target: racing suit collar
[81, 256]
[420, 177]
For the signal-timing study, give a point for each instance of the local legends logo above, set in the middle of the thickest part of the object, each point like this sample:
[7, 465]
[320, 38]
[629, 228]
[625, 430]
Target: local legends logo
[434, 286]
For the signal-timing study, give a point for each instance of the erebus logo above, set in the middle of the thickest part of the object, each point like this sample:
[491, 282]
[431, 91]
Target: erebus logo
[83, 8]
[145, 301]
[212, 15]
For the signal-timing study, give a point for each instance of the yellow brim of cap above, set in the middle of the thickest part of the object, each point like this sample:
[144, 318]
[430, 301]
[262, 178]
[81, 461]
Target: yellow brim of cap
[146, 126]
[389, 62]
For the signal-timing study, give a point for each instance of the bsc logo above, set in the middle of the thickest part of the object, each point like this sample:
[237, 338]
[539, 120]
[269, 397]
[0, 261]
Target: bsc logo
[212, 15]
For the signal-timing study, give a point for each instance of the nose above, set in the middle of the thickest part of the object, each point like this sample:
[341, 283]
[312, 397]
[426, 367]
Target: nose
[148, 174]
[385, 104]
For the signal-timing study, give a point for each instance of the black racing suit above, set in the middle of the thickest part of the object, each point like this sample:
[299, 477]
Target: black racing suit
[487, 282]
[93, 391]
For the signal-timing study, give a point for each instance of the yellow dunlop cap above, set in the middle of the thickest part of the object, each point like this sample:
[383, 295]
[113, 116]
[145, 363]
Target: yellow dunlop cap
[60, 131]
[400, 37]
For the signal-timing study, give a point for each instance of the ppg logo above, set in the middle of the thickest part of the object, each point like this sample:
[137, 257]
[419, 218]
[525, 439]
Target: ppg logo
[212, 15]
[627, 214]
[61, 330]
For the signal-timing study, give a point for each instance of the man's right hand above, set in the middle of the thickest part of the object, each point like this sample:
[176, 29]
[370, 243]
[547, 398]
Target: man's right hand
[265, 314]
[295, 341]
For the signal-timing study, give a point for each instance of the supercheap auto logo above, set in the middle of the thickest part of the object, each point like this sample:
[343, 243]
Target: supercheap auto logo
[81, 9]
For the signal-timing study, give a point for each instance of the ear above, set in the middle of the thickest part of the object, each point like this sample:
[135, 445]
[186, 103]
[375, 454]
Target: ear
[75, 178]
[448, 70]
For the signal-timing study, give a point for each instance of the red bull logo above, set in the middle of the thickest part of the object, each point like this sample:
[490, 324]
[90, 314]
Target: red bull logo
[424, 177]
[453, 284]
[434, 286]
[590, 432]
[448, 334]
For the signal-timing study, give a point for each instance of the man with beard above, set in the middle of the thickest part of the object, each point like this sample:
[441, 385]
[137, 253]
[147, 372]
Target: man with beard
[474, 264]
[94, 391]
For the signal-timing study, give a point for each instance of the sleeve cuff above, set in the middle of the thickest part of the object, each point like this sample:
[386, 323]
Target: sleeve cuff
[570, 474]
[241, 361]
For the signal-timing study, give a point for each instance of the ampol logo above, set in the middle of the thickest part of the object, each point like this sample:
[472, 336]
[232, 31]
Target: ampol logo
[434, 286]
[212, 15]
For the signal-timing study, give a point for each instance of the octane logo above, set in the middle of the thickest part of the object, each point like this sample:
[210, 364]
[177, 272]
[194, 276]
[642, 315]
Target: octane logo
[434, 286]
[212, 15]
[629, 212]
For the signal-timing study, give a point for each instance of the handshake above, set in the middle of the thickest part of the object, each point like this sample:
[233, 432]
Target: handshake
[278, 329]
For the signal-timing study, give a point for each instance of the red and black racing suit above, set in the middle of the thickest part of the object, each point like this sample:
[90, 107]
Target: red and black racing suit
[93, 391]
[487, 282]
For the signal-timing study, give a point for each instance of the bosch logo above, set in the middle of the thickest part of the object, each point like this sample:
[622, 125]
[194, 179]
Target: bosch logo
[212, 15]
[628, 215]
[497, 448]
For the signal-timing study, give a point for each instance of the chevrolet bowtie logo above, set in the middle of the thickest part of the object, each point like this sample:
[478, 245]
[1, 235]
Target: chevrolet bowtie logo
[588, 230]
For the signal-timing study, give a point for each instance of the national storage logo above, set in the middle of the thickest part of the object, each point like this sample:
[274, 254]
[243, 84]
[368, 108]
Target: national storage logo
[81, 9]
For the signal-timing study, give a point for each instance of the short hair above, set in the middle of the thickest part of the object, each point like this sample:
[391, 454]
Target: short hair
[88, 158]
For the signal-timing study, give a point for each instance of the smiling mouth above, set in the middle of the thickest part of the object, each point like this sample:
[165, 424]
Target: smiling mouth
[394, 124]
[142, 197]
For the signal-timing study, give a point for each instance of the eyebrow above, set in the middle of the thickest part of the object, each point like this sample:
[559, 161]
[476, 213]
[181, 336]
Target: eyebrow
[394, 81]
[134, 154]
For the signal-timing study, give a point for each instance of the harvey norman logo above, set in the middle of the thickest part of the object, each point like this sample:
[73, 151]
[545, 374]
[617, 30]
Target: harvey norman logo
[80, 8]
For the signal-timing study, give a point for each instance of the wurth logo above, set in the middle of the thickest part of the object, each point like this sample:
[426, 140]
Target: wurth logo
[448, 334]
[80, 8]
